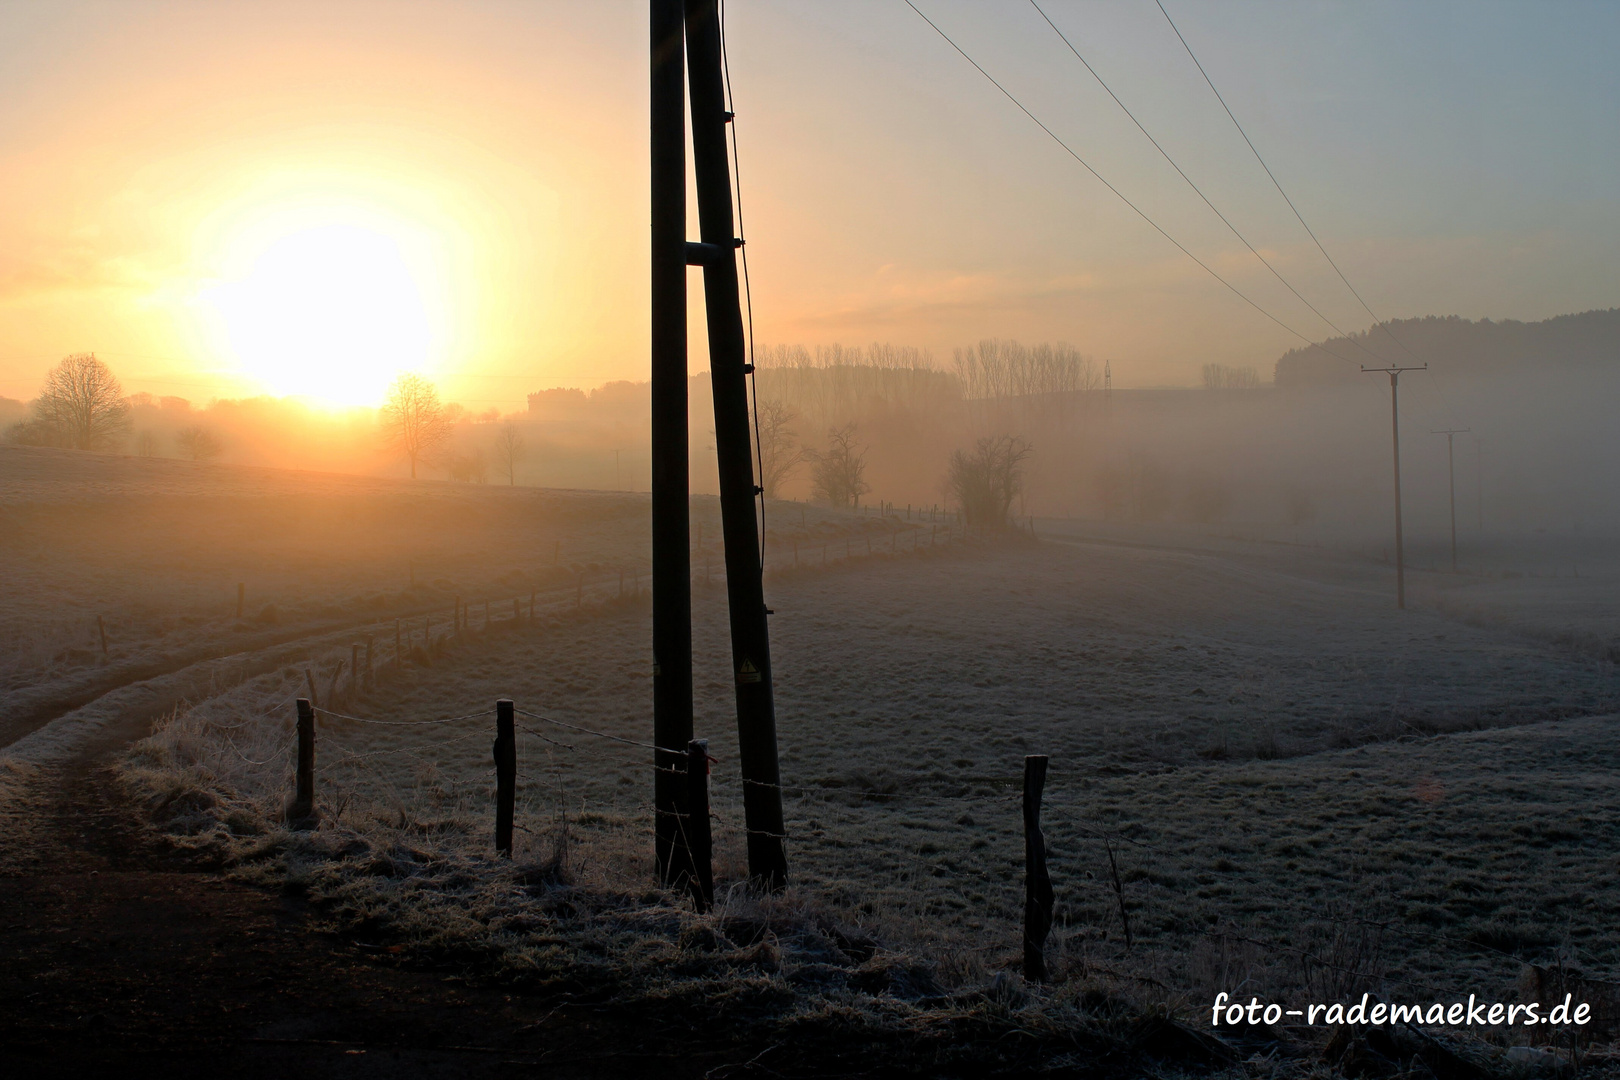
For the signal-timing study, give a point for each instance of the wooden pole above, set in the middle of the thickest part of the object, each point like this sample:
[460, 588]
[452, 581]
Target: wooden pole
[101, 629]
[505, 775]
[699, 834]
[1037, 882]
[241, 597]
[309, 677]
[301, 810]
[729, 366]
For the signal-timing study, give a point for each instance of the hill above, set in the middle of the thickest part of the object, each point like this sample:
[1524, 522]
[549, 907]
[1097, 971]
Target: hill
[1459, 347]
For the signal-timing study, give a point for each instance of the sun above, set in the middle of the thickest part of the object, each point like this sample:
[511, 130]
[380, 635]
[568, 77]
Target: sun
[328, 309]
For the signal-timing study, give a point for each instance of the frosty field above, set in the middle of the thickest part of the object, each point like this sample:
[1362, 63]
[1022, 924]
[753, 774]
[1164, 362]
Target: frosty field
[1300, 785]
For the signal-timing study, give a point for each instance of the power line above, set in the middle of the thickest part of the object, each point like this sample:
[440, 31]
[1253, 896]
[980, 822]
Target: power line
[1196, 189]
[1278, 184]
[1119, 194]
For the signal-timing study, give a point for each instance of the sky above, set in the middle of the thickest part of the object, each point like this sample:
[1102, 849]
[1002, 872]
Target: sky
[304, 199]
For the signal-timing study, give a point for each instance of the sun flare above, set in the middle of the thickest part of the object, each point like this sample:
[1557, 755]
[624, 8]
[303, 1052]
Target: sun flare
[329, 309]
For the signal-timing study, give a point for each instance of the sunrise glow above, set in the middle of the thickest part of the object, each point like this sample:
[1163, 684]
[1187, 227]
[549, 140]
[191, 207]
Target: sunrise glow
[329, 303]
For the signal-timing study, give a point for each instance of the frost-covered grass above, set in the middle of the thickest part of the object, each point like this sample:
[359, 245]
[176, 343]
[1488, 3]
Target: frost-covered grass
[910, 688]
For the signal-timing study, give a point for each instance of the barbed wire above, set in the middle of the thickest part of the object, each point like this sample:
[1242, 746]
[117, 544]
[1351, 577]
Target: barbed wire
[403, 723]
[286, 745]
[598, 734]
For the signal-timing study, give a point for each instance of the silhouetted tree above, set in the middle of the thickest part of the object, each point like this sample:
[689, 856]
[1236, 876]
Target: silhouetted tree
[197, 443]
[509, 450]
[779, 454]
[469, 469]
[413, 419]
[986, 479]
[81, 406]
[1226, 377]
[839, 472]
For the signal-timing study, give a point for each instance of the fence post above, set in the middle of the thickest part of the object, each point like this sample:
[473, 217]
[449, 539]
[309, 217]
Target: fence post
[505, 775]
[241, 597]
[1037, 882]
[301, 811]
[699, 836]
[101, 628]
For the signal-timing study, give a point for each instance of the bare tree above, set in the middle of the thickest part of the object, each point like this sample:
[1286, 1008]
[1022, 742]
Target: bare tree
[413, 419]
[81, 405]
[986, 479]
[779, 453]
[197, 443]
[509, 450]
[1226, 377]
[839, 472]
[469, 469]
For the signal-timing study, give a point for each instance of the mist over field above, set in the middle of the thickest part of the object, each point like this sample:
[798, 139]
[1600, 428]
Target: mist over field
[661, 537]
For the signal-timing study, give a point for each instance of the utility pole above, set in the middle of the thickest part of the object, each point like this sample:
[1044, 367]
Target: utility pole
[716, 253]
[671, 500]
[1451, 482]
[1394, 374]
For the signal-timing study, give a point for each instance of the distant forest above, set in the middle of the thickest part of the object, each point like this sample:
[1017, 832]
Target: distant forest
[1459, 346]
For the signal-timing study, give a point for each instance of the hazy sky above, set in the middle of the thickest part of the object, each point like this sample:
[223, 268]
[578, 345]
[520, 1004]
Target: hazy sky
[218, 198]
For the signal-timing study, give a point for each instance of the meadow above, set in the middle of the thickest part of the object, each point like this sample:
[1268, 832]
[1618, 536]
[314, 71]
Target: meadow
[1258, 764]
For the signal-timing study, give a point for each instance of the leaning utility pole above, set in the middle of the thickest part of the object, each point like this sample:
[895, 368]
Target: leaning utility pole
[671, 501]
[1394, 374]
[729, 370]
[1451, 482]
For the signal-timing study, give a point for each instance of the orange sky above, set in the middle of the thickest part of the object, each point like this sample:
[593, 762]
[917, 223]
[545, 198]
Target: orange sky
[199, 192]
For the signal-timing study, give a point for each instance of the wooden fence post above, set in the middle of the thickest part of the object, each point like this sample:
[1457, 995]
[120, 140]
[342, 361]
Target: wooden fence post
[699, 834]
[101, 628]
[241, 597]
[1037, 882]
[505, 775]
[309, 677]
[301, 810]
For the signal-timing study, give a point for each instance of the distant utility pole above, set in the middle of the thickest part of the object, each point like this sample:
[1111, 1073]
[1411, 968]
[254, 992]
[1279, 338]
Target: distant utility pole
[1451, 481]
[1394, 374]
